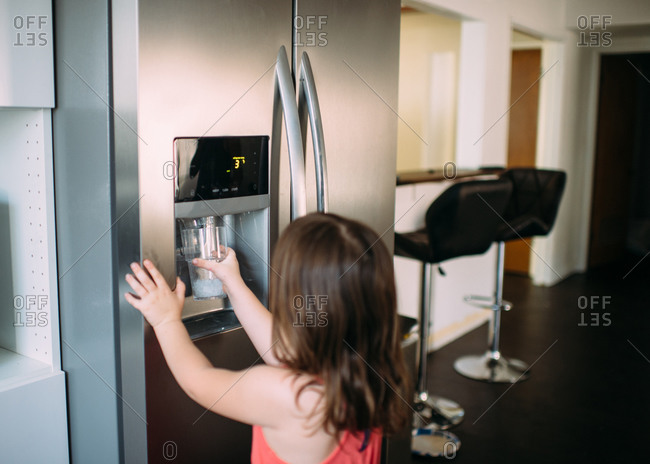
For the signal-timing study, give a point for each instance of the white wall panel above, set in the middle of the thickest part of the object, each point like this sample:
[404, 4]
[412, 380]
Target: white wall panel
[26, 59]
[29, 313]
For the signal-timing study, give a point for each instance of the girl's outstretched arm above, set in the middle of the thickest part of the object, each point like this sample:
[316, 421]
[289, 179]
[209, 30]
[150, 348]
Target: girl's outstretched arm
[257, 395]
[252, 314]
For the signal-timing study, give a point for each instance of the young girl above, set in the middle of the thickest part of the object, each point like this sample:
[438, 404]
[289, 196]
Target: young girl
[334, 379]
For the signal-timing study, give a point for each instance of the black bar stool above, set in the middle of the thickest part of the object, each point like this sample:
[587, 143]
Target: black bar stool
[531, 212]
[462, 221]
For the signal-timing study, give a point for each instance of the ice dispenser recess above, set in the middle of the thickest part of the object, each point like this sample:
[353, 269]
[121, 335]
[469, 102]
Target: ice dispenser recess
[224, 181]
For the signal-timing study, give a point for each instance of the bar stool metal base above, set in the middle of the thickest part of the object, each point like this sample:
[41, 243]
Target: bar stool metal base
[436, 413]
[489, 368]
[432, 443]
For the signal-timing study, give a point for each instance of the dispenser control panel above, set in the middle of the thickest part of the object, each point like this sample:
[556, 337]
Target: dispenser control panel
[211, 168]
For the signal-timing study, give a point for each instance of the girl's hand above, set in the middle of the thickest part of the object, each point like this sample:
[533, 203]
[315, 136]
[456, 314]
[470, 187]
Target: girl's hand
[227, 271]
[153, 297]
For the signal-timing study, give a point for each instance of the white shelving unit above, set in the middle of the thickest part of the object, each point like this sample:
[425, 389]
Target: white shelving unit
[32, 385]
[31, 381]
[29, 326]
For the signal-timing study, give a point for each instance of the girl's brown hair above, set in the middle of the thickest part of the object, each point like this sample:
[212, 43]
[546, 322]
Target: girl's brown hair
[332, 296]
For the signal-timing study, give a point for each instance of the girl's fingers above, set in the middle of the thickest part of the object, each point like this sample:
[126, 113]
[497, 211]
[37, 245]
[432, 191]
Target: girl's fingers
[204, 263]
[221, 254]
[155, 274]
[132, 300]
[135, 285]
[228, 255]
[143, 277]
[180, 289]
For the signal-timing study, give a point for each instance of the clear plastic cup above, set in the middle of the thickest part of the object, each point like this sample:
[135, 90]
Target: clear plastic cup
[206, 241]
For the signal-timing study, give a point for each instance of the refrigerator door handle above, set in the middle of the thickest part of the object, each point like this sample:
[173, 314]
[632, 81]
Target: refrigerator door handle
[308, 98]
[285, 103]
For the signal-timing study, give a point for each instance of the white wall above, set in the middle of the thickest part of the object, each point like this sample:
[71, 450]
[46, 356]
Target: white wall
[623, 12]
[567, 105]
[429, 50]
[26, 42]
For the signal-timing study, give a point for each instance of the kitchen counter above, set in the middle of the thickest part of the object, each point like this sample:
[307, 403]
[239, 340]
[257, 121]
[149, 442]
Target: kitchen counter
[447, 173]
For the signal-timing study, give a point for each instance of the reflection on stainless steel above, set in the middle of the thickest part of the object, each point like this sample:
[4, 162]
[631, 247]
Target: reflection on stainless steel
[435, 443]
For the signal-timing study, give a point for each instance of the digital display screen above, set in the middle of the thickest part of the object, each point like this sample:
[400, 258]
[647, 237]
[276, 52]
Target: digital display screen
[221, 167]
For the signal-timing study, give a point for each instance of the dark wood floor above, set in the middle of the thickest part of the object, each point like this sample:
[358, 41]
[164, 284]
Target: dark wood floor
[588, 396]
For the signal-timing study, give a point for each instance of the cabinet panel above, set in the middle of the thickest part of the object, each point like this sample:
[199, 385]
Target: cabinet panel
[33, 428]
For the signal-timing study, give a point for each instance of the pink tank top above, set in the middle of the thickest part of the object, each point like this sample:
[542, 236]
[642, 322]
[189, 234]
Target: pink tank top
[351, 450]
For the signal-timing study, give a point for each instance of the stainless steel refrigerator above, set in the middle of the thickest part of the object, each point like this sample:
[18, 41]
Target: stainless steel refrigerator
[131, 78]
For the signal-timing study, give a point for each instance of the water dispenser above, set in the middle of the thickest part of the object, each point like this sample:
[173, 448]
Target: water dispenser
[222, 189]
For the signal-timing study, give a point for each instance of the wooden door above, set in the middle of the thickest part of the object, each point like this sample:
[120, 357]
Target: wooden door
[613, 161]
[522, 136]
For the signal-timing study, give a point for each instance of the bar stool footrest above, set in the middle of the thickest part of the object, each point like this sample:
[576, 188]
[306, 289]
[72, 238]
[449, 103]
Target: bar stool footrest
[485, 302]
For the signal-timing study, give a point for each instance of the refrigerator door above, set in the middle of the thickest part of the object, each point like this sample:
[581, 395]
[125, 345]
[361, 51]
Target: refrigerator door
[179, 430]
[354, 52]
[205, 68]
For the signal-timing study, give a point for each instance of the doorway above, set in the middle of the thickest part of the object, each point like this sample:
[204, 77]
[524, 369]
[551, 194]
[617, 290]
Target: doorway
[522, 133]
[620, 203]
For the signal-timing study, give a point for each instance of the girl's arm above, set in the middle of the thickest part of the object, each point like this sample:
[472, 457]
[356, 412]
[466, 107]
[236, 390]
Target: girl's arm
[252, 315]
[257, 395]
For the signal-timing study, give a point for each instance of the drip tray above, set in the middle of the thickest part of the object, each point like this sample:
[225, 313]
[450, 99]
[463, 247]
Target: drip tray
[211, 323]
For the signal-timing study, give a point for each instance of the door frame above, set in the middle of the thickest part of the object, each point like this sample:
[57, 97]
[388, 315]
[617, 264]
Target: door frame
[549, 139]
[619, 45]
[518, 252]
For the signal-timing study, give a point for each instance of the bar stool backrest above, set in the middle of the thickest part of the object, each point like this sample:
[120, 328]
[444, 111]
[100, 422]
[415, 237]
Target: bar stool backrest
[464, 219]
[535, 200]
